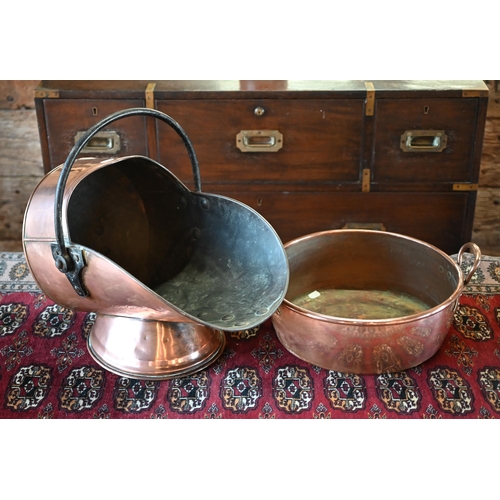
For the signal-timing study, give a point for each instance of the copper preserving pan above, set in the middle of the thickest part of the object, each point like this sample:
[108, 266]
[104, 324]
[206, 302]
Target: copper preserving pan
[368, 302]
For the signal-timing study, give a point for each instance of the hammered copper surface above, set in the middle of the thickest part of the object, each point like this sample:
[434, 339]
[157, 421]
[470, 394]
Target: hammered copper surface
[369, 260]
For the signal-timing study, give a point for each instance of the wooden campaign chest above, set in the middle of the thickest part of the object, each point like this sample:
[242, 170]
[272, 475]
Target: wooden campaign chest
[401, 156]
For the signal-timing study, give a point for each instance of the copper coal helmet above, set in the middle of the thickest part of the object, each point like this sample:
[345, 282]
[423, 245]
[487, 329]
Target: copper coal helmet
[167, 270]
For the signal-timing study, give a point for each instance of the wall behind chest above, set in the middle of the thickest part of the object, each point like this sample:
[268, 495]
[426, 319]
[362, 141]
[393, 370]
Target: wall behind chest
[486, 230]
[21, 166]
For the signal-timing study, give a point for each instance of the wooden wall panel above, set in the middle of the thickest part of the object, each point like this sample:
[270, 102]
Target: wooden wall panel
[17, 94]
[486, 231]
[21, 168]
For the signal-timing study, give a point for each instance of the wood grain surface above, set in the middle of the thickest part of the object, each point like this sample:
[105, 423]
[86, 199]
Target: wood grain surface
[21, 168]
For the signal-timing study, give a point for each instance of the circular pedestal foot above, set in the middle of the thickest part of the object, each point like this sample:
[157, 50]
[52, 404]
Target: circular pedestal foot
[153, 350]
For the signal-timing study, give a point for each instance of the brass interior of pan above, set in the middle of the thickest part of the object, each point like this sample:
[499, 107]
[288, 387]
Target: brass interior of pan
[361, 304]
[368, 275]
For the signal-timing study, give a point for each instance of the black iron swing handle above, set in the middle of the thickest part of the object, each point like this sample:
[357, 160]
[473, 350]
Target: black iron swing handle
[69, 260]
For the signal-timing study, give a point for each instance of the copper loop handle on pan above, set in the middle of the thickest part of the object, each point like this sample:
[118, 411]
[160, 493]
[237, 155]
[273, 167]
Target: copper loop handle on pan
[70, 263]
[476, 252]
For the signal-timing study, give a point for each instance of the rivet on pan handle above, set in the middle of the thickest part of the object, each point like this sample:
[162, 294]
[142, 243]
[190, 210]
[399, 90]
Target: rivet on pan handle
[69, 259]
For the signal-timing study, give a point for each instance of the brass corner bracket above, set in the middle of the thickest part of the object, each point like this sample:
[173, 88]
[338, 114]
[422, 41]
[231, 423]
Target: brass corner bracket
[370, 99]
[465, 187]
[150, 95]
[475, 93]
[42, 94]
[365, 186]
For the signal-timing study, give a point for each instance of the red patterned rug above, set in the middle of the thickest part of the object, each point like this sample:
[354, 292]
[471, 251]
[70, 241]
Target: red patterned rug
[47, 372]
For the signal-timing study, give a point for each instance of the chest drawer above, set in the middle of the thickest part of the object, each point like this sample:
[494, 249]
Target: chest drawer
[438, 218]
[424, 140]
[321, 140]
[65, 119]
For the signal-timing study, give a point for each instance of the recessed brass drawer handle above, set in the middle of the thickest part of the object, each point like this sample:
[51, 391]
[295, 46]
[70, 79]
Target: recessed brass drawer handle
[259, 141]
[107, 141]
[423, 141]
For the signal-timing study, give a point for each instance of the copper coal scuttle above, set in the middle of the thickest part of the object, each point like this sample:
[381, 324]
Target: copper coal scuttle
[166, 270]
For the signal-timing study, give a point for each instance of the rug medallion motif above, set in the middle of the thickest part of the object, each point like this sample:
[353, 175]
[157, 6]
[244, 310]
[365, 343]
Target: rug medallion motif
[82, 389]
[241, 389]
[12, 316]
[132, 395]
[398, 392]
[189, 394]
[345, 391]
[293, 389]
[452, 391]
